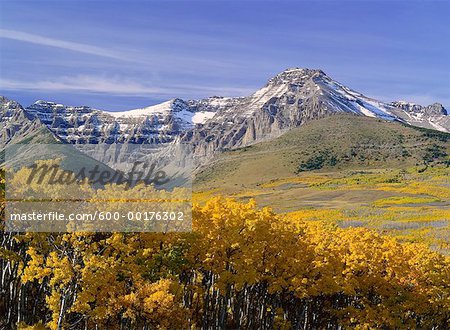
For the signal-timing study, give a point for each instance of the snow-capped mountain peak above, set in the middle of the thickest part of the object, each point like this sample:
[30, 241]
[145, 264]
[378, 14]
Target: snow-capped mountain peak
[295, 75]
[158, 109]
[289, 99]
[175, 107]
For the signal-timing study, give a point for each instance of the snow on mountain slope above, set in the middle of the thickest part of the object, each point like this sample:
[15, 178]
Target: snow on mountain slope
[289, 99]
[176, 107]
[433, 116]
[160, 123]
[159, 109]
[202, 116]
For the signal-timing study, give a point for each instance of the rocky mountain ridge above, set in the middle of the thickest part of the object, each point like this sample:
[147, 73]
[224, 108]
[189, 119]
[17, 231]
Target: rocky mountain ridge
[290, 99]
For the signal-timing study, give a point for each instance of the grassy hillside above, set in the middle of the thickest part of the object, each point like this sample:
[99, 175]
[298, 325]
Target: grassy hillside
[335, 143]
[351, 171]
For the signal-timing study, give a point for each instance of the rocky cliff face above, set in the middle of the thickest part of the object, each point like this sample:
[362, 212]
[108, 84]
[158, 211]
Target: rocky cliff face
[290, 99]
[433, 116]
[435, 109]
[17, 125]
[82, 125]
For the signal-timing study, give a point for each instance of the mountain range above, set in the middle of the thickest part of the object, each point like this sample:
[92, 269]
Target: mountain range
[290, 99]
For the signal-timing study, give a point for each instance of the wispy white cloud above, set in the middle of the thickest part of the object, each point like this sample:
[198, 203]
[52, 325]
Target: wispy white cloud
[148, 57]
[118, 87]
[81, 83]
[62, 44]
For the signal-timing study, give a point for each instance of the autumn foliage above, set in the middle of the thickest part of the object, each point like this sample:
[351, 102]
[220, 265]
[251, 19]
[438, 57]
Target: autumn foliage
[241, 267]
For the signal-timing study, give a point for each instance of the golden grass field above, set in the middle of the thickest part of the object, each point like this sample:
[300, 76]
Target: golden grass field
[407, 204]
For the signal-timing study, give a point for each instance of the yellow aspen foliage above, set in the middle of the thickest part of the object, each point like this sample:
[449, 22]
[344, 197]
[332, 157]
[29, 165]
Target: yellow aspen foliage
[241, 267]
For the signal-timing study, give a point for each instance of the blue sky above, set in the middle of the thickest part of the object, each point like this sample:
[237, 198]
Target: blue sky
[122, 55]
